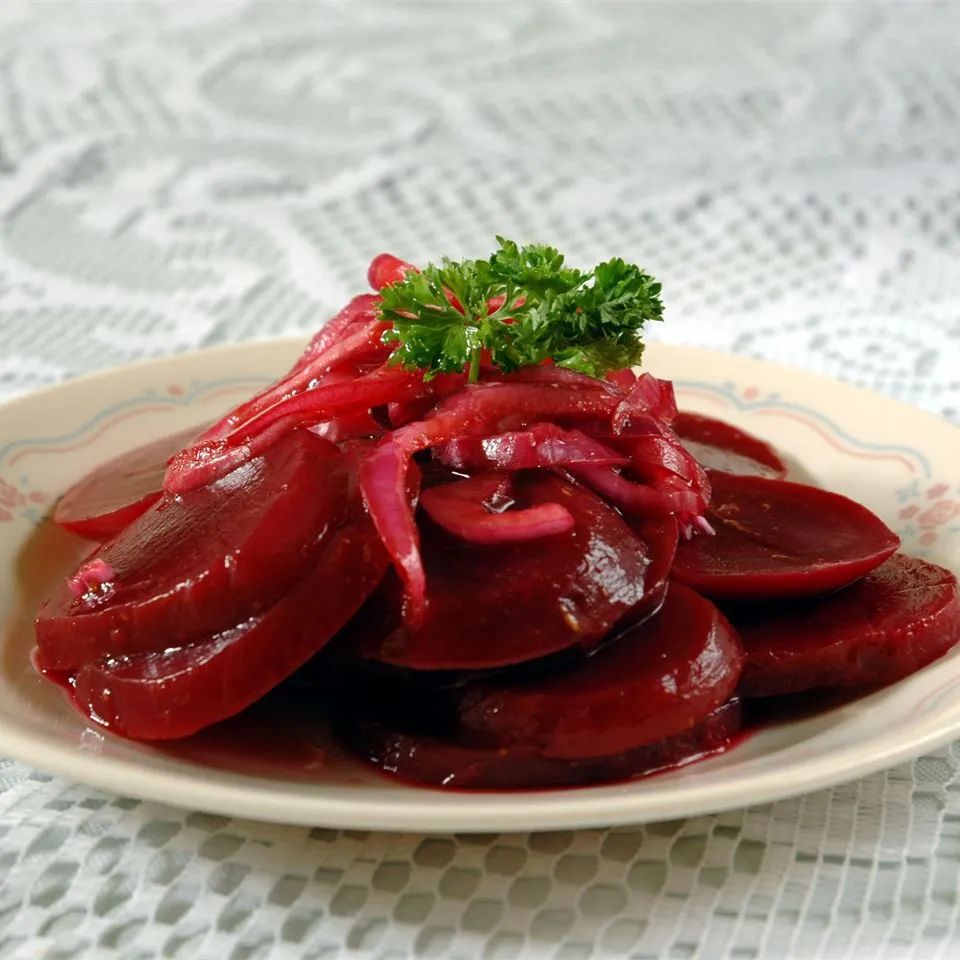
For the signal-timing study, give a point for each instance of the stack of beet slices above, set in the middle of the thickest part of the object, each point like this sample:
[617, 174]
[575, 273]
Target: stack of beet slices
[538, 579]
[601, 651]
[209, 599]
[799, 589]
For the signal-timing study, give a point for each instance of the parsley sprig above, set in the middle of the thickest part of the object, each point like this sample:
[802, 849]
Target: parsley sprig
[591, 322]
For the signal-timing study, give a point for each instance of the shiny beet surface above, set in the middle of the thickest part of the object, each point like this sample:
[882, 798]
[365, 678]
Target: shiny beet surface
[655, 681]
[661, 537]
[114, 494]
[897, 619]
[164, 694]
[429, 760]
[495, 605]
[202, 562]
[722, 446]
[780, 539]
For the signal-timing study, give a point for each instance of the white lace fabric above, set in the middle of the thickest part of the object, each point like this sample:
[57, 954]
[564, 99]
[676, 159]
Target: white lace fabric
[178, 175]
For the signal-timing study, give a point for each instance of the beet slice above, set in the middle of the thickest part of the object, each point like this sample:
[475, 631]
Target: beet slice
[442, 763]
[897, 619]
[205, 560]
[114, 494]
[655, 681]
[174, 692]
[496, 605]
[397, 690]
[780, 539]
[722, 446]
[661, 537]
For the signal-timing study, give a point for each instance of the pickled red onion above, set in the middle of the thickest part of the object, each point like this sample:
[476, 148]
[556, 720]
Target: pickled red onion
[468, 509]
[473, 408]
[542, 445]
[311, 364]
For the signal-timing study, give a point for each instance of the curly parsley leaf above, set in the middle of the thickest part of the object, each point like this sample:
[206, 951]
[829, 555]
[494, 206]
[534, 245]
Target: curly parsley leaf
[522, 306]
[535, 269]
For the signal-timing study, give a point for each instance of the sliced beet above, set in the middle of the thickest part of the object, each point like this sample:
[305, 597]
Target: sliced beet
[780, 539]
[202, 561]
[490, 606]
[655, 681]
[661, 538]
[722, 446]
[397, 689]
[897, 619]
[442, 763]
[390, 691]
[114, 494]
[171, 693]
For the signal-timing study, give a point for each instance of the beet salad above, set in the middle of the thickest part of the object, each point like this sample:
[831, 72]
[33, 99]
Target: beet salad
[492, 552]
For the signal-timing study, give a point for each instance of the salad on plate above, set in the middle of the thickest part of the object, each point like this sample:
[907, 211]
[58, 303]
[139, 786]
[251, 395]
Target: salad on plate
[489, 552]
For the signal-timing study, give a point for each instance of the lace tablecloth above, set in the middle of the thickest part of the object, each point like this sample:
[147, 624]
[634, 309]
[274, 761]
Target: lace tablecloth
[180, 175]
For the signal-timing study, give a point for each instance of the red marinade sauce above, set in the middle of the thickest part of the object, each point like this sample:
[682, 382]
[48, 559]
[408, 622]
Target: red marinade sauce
[721, 446]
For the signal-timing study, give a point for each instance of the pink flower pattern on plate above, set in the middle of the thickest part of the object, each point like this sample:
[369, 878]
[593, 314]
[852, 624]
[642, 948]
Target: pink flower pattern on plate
[14, 502]
[929, 514]
[10, 496]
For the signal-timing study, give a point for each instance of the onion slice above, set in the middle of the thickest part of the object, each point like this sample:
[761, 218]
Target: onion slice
[361, 309]
[638, 499]
[309, 366]
[542, 445]
[648, 396]
[208, 460]
[386, 269]
[478, 509]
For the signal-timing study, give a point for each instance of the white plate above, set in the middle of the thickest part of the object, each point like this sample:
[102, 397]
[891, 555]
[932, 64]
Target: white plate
[902, 463]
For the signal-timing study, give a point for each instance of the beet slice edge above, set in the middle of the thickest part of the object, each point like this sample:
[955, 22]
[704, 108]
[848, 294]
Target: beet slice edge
[655, 681]
[897, 619]
[430, 761]
[114, 494]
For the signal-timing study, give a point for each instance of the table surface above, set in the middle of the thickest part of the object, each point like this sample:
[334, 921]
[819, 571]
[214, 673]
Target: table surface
[179, 175]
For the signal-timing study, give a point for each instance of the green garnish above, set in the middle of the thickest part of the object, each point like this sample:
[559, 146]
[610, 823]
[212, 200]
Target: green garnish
[590, 322]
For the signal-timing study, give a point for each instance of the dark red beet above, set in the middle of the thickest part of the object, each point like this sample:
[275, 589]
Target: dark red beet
[661, 538]
[440, 763]
[172, 693]
[496, 605]
[722, 446]
[655, 681]
[780, 539]
[897, 619]
[203, 561]
[109, 498]
[395, 690]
